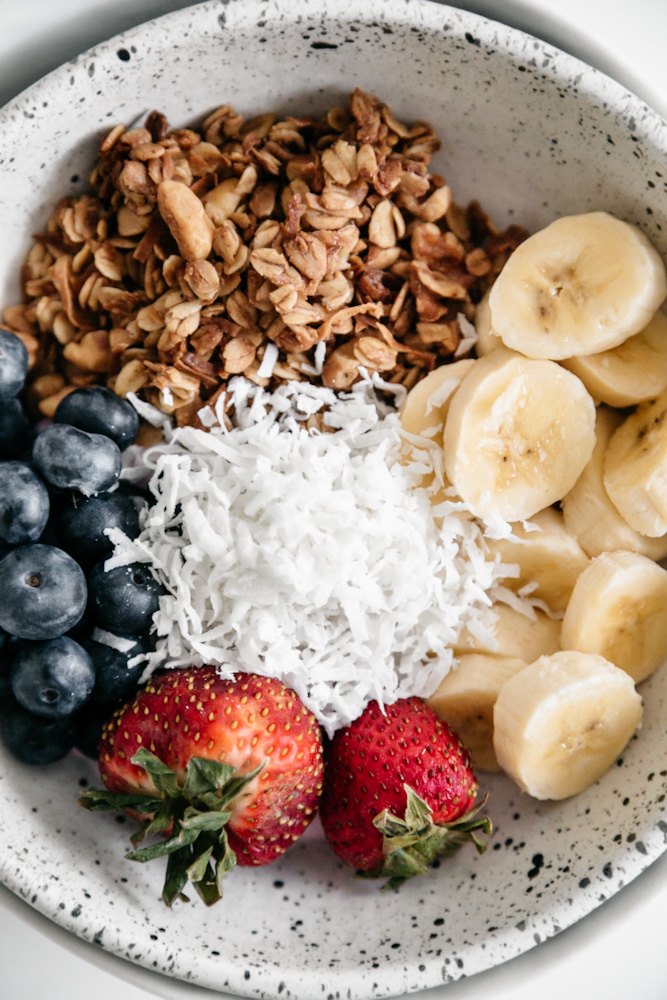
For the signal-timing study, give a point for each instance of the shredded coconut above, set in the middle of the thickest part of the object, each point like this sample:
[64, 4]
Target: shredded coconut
[265, 370]
[311, 557]
[468, 339]
[440, 395]
[119, 642]
[320, 356]
[149, 413]
[207, 416]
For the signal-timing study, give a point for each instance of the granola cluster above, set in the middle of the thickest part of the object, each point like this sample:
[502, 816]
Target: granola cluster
[197, 250]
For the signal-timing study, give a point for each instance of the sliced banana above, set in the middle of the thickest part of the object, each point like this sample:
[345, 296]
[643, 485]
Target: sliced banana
[618, 610]
[631, 373]
[590, 515]
[487, 340]
[465, 700]
[549, 556]
[423, 414]
[561, 722]
[425, 407]
[513, 634]
[517, 436]
[582, 285]
[635, 468]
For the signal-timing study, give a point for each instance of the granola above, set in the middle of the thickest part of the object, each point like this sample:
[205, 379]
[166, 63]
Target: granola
[196, 250]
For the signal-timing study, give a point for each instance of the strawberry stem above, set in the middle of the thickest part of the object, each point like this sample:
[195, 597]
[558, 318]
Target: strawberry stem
[192, 816]
[413, 842]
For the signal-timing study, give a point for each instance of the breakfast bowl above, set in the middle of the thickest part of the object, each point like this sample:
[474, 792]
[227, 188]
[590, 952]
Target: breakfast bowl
[532, 135]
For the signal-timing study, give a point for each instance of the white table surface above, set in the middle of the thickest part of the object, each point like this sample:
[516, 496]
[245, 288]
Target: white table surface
[618, 951]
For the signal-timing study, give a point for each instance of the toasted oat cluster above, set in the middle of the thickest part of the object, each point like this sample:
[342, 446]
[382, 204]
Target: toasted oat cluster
[327, 242]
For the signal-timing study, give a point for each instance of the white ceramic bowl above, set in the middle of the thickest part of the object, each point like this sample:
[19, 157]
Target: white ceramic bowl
[533, 134]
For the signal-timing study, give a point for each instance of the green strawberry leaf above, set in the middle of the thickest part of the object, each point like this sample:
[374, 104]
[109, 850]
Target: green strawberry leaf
[162, 776]
[239, 782]
[183, 839]
[176, 878]
[203, 776]
[478, 841]
[208, 892]
[405, 864]
[225, 859]
[412, 842]
[199, 868]
[390, 825]
[193, 819]
[418, 813]
[100, 800]
[161, 821]
[212, 801]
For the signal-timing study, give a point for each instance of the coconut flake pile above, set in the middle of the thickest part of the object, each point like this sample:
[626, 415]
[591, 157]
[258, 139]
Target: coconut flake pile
[309, 556]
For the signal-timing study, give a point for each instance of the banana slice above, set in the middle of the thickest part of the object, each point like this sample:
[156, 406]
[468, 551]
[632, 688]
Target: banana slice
[423, 414]
[465, 700]
[513, 635]
[618, 610]
[559, 724]
[582, 285]
[487, 340]
[631, 373]
[635, 468]
[590, 515]
[517, 436]
[425, 407]
[551, 557]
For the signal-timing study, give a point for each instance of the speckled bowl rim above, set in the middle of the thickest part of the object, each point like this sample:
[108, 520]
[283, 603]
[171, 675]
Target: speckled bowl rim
[650, 128]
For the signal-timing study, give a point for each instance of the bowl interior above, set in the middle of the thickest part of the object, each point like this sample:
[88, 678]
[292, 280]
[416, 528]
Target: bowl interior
[532, 134]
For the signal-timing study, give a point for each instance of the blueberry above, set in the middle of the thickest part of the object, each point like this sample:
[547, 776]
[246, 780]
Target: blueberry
[13, 364]
[12, 644]
[5, 665]
[42, 592]
[124, 599]
[83, 629]
[16, 431]
[89, 732]
[24, 504]
[49, 535]
[72, 459]
[129, 489]
[138, 492]
[81, 523]
[33, 739]
[115, 681]
[99, 411]
[54, 678]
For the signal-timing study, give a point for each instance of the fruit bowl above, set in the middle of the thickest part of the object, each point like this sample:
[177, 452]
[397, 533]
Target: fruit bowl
[533, 134]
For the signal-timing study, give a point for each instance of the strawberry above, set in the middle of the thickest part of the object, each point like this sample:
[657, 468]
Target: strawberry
[229, 771]
[399, 791]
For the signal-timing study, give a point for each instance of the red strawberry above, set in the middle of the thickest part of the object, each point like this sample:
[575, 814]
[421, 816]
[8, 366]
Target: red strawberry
[230, 771]
[399, 791]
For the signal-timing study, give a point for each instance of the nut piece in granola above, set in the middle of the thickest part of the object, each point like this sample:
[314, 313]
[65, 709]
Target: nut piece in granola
[187, 220]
